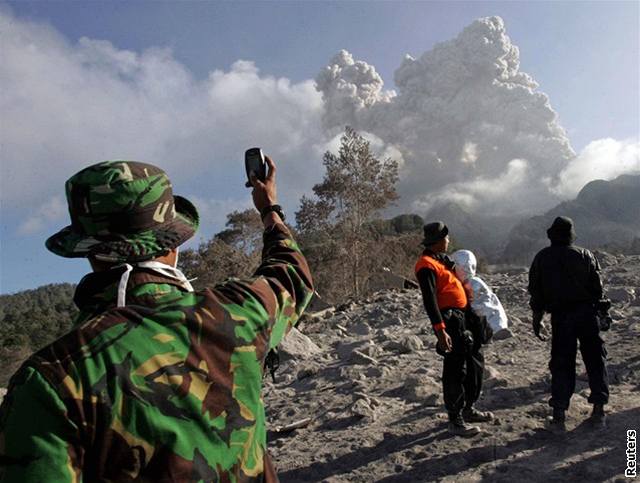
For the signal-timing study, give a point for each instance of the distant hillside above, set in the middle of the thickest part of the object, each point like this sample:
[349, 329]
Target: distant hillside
[399, 225]
[606, 215]
[31, 319]
[484, 234]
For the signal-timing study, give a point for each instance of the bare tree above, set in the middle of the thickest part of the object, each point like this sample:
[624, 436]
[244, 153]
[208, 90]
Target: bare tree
[355, 188]
[233, 252]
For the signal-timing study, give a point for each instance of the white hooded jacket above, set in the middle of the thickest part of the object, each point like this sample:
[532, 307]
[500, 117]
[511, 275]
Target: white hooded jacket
[483, 300]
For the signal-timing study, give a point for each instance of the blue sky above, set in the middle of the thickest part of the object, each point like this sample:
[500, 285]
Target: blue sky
[583, 55]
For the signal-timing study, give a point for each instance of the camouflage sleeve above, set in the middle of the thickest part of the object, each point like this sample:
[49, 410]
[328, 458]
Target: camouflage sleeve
[35, 434]
[281, 289]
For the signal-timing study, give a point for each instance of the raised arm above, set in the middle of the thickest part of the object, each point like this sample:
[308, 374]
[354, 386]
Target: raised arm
[282, 285]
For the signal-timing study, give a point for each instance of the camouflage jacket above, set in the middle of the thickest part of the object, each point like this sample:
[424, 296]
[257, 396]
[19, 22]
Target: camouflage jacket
[166, 388]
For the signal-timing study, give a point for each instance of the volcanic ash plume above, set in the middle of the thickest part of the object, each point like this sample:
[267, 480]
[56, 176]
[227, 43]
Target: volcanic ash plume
[464, 116]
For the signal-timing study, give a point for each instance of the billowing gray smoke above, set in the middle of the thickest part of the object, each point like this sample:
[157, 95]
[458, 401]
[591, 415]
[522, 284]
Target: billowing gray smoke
[471, 127]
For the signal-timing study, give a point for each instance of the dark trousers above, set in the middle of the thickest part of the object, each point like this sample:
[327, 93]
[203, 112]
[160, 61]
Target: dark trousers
[567, 329]
[463, 367]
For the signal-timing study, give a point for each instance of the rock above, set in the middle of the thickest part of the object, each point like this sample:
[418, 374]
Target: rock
[617, 314]
[346, 307]
[492, 378]
[344, 349]
[411, 343]
[621, 294]
[296, 345]
[307, 370]
[360, 328]
[503, 334]
[505, 361]
[329, 313]
[359, 395]
[605, 259]
[490, 373]
[392, 346]
[432, 399]
[372, 350]
[394, 321]
[358, 357]
[374, 372]
[514, 321]
[363, 408]
[420, 388]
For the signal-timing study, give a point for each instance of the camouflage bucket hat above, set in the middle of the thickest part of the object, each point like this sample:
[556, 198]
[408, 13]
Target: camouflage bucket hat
[123, 211]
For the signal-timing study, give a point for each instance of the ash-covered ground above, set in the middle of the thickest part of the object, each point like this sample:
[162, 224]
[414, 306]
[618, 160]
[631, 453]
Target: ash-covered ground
[367, 394]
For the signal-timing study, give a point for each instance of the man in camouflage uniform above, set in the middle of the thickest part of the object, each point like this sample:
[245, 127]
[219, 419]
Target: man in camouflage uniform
[156, 382]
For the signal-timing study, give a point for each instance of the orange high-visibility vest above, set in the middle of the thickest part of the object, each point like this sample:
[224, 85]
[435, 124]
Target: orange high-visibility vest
[450, 293]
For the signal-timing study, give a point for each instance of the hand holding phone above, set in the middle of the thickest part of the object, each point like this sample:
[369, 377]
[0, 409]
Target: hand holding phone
[255, 163]
[264, 191]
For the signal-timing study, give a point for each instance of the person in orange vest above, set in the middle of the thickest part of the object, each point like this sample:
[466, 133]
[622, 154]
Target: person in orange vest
[445, 302]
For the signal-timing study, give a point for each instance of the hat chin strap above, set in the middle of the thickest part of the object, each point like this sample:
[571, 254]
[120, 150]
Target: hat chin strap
[158, 267]
[122, 285]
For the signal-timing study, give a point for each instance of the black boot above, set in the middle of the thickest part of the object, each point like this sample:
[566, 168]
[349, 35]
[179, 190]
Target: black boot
[598, 418]
[458, 427]
[557, 422]
[472, 415]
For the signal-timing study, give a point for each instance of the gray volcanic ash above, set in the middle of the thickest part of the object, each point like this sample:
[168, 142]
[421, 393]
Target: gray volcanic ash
[371, 390]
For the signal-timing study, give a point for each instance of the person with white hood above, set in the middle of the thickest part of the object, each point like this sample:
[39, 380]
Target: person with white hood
[482, 299]
[445, 301]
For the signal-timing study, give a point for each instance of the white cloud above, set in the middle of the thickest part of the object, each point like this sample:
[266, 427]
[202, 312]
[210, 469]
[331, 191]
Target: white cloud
[462, 121]
[469, 153]
[601, 159]
[72, 104]
[52, 211]
[487, 193]
[216, 210]
[462, 113]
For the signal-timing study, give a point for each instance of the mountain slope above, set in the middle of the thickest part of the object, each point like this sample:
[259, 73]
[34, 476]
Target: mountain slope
[606, 215]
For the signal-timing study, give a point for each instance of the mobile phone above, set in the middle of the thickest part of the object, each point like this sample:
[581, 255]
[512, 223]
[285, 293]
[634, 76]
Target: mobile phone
[254, 163]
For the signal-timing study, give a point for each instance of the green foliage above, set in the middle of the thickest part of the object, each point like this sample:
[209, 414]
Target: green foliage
[31, 319]
[35, 317]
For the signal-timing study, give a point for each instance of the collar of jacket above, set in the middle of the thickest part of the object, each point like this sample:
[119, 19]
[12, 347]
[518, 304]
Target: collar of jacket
[98, 291]
[441, 257]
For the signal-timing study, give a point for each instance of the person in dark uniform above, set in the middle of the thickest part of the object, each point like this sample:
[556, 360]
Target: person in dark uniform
[445, 302]
[564, 280]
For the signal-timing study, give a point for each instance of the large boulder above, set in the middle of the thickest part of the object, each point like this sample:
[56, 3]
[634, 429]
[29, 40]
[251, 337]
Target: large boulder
[296, 345]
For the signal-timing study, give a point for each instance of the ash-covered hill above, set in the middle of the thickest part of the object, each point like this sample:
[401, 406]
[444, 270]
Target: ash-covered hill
[365, 389]
[606, 214]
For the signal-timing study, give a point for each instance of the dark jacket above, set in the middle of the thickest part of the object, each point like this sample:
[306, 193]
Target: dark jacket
[563, 277]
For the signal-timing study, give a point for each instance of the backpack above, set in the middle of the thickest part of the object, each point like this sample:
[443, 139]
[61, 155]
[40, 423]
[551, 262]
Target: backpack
[479, 327]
